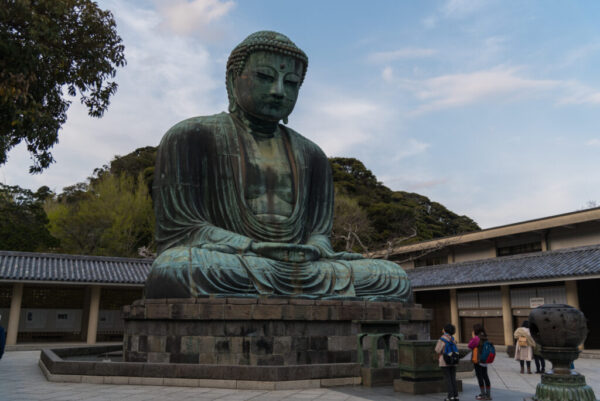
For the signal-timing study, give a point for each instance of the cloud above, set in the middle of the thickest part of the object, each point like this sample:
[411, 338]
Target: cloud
[186, 17]
[593, 142]
[410, 52]
[577, 93]
[455, 90]
[429, 22]
[461, 8]
[579, 54]
[453, 9]
[412, 182]
[388, 74]
[338, 121]
[411, 147]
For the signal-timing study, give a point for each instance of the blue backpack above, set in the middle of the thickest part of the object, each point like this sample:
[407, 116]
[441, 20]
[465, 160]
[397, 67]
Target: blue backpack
[450, 354]
[488, 353]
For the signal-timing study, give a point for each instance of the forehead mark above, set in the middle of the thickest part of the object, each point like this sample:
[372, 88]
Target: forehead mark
[282, 66]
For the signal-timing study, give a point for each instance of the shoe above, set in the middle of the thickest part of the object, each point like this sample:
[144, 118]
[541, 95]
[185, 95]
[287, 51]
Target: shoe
[481, 397]
[522, 370]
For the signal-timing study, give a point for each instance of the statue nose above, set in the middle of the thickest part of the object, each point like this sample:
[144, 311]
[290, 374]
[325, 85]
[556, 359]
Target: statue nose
[277, 89]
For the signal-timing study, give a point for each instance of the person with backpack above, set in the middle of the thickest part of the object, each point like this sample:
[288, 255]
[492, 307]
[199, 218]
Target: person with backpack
[448, 359]
[480, 357]
[524, 346]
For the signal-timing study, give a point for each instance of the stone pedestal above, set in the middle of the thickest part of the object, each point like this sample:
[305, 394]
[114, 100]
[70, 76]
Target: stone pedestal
[419, 371]
[283, 334]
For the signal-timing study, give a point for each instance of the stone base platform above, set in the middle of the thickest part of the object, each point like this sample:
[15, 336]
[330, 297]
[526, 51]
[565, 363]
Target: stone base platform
[249, 343]
[268, 331]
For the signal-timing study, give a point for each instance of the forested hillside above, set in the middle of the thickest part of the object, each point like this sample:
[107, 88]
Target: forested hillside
[111, 214]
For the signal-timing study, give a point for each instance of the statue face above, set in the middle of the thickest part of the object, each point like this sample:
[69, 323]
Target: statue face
[268, 86]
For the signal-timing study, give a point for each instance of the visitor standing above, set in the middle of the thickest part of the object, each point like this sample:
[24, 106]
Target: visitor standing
[2, 339]
[524, 346]
[478, 339]
[448, 359]
[540, 363]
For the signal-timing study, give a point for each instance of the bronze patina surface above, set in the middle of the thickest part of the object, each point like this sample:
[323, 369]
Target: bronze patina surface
[244, 204]
[560, 329]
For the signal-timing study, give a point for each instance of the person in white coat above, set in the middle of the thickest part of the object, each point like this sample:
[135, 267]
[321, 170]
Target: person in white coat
[524, 346]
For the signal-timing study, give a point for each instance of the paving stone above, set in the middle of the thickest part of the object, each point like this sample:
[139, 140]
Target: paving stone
[181, 382]
[92, 379]
[217, 383]
[255, 385]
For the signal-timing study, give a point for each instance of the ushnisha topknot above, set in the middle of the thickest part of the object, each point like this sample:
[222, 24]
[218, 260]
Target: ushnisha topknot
[269, 41]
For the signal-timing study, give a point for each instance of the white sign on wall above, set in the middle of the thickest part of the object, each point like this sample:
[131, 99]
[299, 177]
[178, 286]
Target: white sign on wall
[535, 302]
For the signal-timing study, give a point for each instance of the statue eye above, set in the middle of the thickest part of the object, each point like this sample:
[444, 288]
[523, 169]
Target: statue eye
[291, 83]
[265, 76]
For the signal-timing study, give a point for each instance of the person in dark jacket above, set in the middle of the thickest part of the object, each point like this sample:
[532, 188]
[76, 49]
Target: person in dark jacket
[2, 339]
[448, 370]
[478, 338]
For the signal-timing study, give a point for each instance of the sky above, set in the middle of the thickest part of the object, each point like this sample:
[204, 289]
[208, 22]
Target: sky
[491, 108]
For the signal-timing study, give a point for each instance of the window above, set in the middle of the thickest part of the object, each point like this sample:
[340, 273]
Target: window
[431, 261]
[518, 249]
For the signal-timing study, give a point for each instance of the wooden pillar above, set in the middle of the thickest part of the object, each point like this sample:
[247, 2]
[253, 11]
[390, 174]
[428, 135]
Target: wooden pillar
[94, 309]
[454, 313]
[572, 294]
[15, 314]
[573, 297]
[507, 319]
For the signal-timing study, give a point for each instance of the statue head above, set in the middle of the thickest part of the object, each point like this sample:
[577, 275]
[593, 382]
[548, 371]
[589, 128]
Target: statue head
[264, 74]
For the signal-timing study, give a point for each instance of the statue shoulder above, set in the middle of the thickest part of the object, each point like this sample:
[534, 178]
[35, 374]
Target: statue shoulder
[198, 128]
[308, 145]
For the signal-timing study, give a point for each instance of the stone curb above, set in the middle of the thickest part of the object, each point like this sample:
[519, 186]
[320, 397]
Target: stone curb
[211, 383]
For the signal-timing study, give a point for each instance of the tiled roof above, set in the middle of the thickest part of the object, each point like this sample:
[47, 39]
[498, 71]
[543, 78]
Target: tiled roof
[572, 262]
[29, 266]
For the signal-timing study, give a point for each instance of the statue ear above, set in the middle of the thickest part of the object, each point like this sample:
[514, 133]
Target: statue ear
[230, 92]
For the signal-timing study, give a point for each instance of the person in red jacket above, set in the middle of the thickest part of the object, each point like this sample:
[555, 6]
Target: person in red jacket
[478, 338]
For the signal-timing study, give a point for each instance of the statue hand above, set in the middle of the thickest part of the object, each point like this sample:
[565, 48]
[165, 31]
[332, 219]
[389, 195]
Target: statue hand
[286, 252]
[343, 255]
[218, 248]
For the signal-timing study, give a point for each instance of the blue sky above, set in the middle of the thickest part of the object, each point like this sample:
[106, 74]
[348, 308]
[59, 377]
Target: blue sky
[491, 108]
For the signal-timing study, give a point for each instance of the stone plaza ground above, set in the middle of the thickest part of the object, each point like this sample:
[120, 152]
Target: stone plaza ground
[21, 379]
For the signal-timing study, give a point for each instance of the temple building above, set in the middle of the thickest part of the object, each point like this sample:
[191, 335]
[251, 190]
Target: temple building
[493, 276]
[48, 297]
[497, 275]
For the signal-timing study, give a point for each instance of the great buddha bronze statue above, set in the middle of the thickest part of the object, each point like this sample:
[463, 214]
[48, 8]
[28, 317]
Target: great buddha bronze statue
[244, 204]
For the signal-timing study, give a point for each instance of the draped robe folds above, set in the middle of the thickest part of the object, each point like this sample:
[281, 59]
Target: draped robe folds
[205, 229]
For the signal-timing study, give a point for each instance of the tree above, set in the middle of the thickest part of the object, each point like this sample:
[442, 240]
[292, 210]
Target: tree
[113, 217]
[395, 216]
[45, 46]
[351, 226]
[23, 221]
